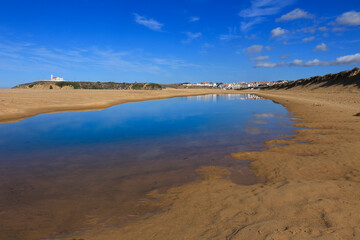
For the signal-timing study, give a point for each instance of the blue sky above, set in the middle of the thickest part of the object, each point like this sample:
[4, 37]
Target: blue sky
[176, 41]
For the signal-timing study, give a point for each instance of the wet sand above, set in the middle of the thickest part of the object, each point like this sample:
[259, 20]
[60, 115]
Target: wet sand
[43, 198]
[311, 188]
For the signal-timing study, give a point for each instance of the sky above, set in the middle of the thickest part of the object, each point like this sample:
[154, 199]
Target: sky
[176, 41]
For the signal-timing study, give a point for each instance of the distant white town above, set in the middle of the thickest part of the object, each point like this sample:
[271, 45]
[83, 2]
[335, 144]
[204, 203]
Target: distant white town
[225, 86]
[239, 85]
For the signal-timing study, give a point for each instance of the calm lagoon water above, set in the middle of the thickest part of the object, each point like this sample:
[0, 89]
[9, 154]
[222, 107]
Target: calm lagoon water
[68, 169]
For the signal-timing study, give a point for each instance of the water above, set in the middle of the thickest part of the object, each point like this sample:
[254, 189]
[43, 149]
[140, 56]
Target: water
[66, 171]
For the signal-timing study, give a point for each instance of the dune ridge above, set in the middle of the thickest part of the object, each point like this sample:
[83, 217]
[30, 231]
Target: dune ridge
[345, 78]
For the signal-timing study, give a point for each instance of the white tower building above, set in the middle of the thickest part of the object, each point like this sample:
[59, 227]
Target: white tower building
[56, 78]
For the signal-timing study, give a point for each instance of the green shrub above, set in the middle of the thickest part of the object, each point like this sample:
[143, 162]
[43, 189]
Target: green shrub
[154, 86]
[51, 87]
[137, 86]
[31, 85]
[124, 85]
[75, 85]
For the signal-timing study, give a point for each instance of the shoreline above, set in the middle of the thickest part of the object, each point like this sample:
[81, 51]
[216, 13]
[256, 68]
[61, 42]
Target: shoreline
[14, 110]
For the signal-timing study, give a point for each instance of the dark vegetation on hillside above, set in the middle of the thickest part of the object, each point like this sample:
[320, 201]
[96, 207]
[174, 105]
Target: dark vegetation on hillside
[344, 78]
[94, 85]
[75, 85]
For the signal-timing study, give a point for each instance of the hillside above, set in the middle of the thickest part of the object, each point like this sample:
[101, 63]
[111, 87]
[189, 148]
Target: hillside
[343, 79]
[89, 85]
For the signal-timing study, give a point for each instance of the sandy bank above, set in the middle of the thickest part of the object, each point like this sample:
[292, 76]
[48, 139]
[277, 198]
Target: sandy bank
[311, 190]
[16, 104]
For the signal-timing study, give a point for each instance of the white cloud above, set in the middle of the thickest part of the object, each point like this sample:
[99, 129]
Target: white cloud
[191, 36]
[227, 37]
[308, 39]
[277, 32]
[348, 60]
[321, 48]
[254, 49]
[269, 64]
[296, 62]
[207, 45]
[315, 62]
[338, 29]
[344, 60]
[351, 18]
[265, 65]
[323, 29]
[233, 34]
[194, 19]
[285, 56]
[295, 14]
[259, 9]
[259, 58]
[149, 23]
[251, 37]
[247, 25]
[173, 63]
[264, 8]
[30, 57]
[311, 29]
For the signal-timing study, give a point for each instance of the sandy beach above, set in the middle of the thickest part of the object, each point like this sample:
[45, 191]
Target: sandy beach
[311, 188]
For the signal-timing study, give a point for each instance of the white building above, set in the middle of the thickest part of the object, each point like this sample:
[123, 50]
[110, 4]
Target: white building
[56, 78]
[203, 84]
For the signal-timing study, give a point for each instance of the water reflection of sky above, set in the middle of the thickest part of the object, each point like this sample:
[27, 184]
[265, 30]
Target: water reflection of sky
[100, 163]
[217, 97]
[197, 120]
